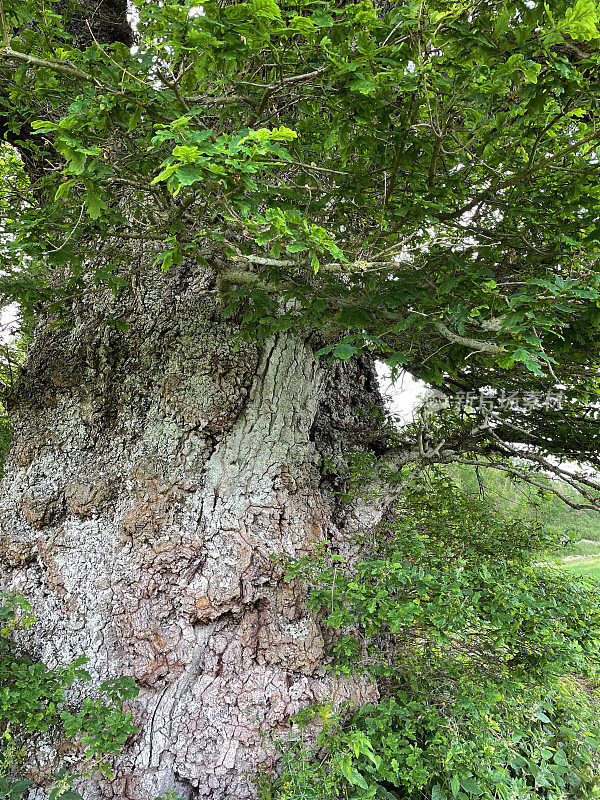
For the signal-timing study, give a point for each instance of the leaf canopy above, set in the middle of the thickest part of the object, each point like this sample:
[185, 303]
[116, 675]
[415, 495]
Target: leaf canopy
[420, 177]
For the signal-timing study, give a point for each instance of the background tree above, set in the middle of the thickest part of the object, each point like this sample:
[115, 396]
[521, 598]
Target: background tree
[414, 181]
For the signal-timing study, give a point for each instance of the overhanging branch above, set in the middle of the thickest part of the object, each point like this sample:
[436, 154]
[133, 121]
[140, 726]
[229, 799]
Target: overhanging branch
[466, 341]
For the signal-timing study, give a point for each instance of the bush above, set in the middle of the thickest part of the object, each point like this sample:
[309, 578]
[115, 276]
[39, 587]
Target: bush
[479, 654]
[33, 700]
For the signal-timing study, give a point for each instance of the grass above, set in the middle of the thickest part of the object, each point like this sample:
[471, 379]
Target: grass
[583, 547]
[590, 567]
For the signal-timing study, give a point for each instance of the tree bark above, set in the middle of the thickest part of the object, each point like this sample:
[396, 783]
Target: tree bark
[151, 475]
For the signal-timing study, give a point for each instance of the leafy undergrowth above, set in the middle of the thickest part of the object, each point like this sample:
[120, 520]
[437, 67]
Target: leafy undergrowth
[34, 701]
[486, 660]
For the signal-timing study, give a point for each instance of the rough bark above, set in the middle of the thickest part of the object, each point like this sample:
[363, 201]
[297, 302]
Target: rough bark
[151, 475]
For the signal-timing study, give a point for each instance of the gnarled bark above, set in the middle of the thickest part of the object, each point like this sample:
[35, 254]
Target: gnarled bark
[152, 474]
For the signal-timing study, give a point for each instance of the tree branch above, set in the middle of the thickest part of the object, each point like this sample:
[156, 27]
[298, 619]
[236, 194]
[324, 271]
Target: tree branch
[515, 179]
[474, 344]
[57, 66]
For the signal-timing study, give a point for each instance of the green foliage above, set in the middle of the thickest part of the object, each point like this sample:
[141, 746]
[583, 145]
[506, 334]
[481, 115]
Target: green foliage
[343, 134]
[469, 638]
[568, 530]
[34, 699]
[482, 742]
[415, 178]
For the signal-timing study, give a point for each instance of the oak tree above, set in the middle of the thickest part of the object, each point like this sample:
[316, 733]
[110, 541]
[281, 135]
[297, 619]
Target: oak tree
[218, 216]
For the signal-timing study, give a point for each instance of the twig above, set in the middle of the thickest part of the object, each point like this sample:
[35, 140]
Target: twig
[173, 86]
[116, 63]
[524, 476]
[486, 194]
[60, 247]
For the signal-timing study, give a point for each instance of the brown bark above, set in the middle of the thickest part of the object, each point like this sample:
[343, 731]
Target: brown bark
[152, 474]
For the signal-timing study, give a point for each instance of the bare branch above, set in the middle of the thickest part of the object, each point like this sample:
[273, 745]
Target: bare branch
[506, 466]
[474, 344]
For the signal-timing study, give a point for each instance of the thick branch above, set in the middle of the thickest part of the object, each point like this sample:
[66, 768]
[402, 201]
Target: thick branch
[474, 344]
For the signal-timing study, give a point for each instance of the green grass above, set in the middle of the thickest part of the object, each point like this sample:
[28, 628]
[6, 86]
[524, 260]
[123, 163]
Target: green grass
[590, 567]
[583, 547]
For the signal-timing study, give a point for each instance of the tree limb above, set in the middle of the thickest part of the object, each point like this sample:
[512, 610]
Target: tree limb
[57, 66]
[474, 344]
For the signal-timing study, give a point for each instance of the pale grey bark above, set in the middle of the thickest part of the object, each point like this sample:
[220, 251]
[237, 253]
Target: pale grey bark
[151, 476]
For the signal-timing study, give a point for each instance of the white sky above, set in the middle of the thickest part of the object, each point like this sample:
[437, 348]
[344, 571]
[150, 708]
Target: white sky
[402, 396]
[8, 322]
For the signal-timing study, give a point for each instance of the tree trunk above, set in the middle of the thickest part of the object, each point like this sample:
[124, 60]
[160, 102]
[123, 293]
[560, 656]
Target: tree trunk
[152, 473]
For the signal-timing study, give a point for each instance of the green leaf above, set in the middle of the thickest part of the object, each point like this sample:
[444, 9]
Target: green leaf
[321, 19]
[580, 21]
[166, 173]
[266, 9]
[94, 203]
[77, 161]
[303, 25]
[296, 247]
[44, 126]
[344, 351]
[561, 758]
[14, 790]
[189, 174]
[185, 153]
[471, 787]
[324, 350]
[531, 70]
[64, 188]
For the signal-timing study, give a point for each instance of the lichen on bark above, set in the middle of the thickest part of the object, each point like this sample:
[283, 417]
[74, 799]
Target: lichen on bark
[153, 472]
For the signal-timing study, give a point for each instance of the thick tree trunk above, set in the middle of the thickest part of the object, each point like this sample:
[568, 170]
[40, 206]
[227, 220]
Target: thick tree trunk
[152, 474]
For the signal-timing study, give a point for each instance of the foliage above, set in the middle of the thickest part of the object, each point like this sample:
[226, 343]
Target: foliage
[568, 530]
[419, 176]
[34, 700]
[469, 638]
[534, 744]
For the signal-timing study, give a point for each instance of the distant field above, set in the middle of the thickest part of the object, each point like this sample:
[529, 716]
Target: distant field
[584, 566]
[584, 547]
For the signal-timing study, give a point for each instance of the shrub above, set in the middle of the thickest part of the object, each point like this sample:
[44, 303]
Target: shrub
[33, 700]
[478, 651]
